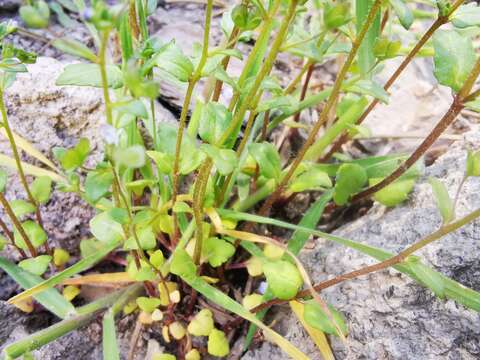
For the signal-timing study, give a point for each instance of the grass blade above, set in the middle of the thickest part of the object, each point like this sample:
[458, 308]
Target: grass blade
[45, 336]
[295, 244]
[51, 299]
[80, 266]
[366, 57]
[31, 169]
[109, 334]
[309, 220]
[453, 290]
[27, 146]
[317, 336]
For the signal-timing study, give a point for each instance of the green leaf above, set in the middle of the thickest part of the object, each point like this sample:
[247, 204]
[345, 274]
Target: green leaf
[202, 324]
[427, 276]
[454, 58]
[217, 251]
[473, 105]
[75, 157]
[214, 120]
[138, 186]
[34, 232]
[336, 15]
[105, 229]
[35, 16]
[395, 193]
[75, 48]
[163, 161]
[218, 343]
[316, 317]
[63, 18]
[50, 298]
[79, 266]
[22, 207]
[286, 103]
[473, 163]
[283, 278]
[219, 298]
[267, 158]
[3, 180]
[183, 265]
[403, 12]
[41, 189]
[37, 265]
[146, 238]
[309, 220]
[89, 75]
[148, 304]
[444, 202]
[386, 49]
[157, 259]
[346, 119]
[225, 160]
[133, 107]
[132, 157]
[97, 184]
[12, 65]
[7, 28]
[466, 15]
[240, 15]
[312, 179]
[350, 179]
[369, 87]
[366, 58]
[171, 59]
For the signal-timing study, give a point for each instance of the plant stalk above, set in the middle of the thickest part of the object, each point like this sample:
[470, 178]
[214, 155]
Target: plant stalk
[183, 116]
[17, 224]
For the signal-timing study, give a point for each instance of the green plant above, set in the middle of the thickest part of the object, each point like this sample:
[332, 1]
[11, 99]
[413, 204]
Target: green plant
[178, 240]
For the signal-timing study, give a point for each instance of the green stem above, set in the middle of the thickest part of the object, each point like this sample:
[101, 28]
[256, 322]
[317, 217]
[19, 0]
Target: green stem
[10, 237]
[264, 71]
[17, 224]
[198, 196]
[18, 161]
[186, 103]
[103, 74]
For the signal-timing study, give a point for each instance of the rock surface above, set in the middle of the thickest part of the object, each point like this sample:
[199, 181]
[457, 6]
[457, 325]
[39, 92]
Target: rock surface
[389, 315]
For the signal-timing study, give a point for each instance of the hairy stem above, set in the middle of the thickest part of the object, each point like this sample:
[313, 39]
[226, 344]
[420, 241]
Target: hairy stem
[183, 116]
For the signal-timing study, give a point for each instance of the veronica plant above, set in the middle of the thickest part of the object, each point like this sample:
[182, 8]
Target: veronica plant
[180, 204]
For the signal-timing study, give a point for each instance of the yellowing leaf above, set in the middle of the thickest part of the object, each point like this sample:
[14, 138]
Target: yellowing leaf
[27, 146]
[218, 343]
[317, 336]
[201, 324]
